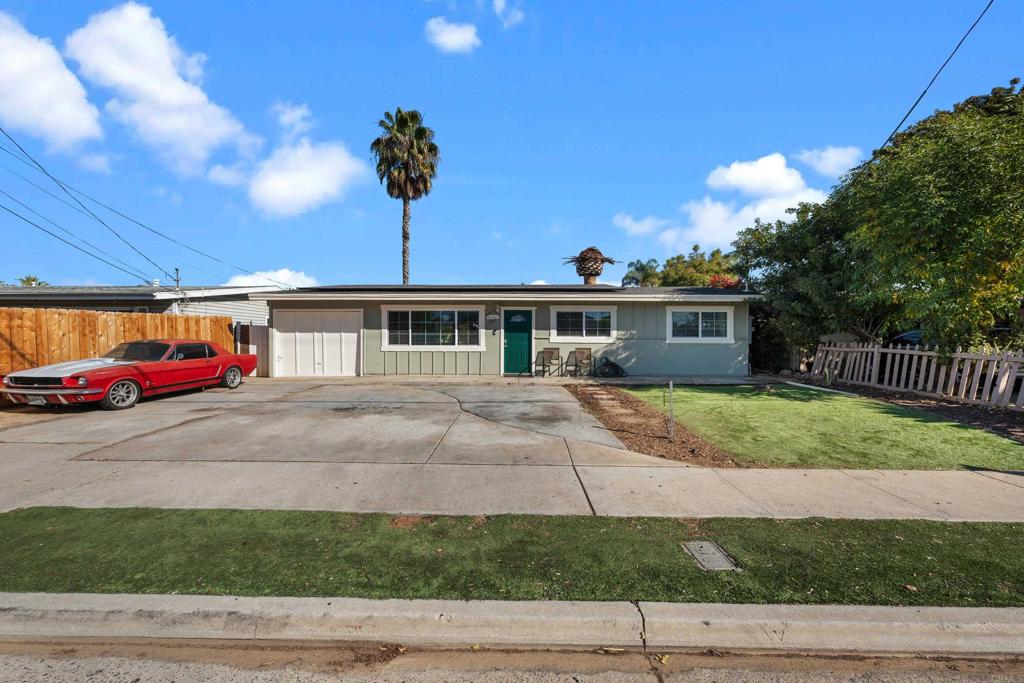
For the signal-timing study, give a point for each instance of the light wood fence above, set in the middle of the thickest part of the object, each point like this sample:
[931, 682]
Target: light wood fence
[30, 337]
[255, 339]
[992, 379]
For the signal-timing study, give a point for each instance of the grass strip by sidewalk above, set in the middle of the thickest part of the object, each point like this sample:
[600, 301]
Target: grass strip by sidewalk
[796, 427]
[289, 553]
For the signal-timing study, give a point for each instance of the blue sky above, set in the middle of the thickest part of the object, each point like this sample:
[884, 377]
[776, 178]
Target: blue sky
[243, 128]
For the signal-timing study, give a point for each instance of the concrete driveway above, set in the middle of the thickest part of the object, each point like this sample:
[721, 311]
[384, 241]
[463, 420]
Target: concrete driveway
[440, 448]
[429, 448]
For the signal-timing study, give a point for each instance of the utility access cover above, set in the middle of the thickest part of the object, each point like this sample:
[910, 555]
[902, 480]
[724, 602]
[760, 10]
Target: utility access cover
[710, 556]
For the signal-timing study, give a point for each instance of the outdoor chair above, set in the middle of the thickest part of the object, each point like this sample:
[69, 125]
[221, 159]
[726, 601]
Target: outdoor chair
[579, 362]
[548, 360]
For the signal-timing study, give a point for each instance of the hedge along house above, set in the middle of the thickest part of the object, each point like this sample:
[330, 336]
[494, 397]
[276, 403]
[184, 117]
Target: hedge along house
[499, 329]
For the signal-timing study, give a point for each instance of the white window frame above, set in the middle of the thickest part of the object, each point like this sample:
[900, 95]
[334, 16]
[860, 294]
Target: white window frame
[729, 338]
[553, 329]
[385, 345]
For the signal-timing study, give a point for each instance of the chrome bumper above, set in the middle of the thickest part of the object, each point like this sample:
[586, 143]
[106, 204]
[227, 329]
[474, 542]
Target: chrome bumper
[18, 395]
[49, 392]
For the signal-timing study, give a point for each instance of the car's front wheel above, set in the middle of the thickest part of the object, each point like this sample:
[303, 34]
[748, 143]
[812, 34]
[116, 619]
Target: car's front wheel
[232, 377]
[122, 394]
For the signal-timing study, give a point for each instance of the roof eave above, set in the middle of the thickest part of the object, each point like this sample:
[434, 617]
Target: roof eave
[501, 296]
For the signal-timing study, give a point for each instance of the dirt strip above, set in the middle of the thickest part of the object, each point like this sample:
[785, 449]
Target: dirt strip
[643, 428]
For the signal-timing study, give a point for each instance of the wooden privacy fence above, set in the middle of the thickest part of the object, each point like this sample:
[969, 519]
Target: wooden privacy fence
[255, 339]
[30, 337]
[992, 379]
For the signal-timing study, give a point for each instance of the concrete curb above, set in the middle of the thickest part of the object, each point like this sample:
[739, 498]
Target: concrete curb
[836, 628]
[449, 623]
[412, 622]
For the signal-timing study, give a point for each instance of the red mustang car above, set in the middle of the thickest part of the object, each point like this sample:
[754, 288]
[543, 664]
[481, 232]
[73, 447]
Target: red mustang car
[120, 377]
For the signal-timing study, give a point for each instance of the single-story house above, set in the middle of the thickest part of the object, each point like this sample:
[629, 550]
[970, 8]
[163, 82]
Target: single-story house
[216, 300]
[499, 329]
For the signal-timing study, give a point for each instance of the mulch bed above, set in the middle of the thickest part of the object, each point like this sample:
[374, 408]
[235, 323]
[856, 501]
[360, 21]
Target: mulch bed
[643, 428]
[1007, 423]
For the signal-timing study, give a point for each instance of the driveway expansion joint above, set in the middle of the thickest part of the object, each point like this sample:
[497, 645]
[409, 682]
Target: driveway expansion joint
[575, 471]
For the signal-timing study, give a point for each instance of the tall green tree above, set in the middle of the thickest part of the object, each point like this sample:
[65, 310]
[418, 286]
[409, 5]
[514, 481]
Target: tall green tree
[696, 268]
[815, 278]
[407, 159]
[941, 209]
[641, 273]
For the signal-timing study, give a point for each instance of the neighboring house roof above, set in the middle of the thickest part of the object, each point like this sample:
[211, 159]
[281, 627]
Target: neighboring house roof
[122, 293]
[507, 292]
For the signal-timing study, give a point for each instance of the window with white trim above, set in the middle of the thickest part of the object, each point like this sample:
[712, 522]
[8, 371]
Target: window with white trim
[413, 328]
[582, 324]
[703, 324]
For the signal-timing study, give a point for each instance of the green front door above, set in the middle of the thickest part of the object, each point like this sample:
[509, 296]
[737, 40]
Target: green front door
[518, 332]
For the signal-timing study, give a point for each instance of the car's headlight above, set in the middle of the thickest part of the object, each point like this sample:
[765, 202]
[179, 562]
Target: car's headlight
[7, 380]
[82, 381]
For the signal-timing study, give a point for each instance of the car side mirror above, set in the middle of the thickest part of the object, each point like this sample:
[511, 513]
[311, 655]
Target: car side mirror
[179, 356]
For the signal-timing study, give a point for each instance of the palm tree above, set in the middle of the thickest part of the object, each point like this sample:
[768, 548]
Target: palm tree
[31, 281]
[642, 274]
[407, 161]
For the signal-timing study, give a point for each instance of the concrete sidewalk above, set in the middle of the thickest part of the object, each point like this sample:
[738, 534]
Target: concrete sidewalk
[610, 484]
[447, 449]
[437, 623]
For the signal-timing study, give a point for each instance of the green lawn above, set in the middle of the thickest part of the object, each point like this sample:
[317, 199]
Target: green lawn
[794, 427]
[141, 550]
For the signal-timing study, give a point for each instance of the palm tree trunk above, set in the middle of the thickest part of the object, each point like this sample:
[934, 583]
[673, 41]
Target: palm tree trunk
[405, 241]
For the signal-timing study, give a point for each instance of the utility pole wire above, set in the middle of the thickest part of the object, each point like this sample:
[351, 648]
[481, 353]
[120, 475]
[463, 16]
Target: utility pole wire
[68, 232]
[135, 221]
[69, 243]
[935, 77]
[98, 219]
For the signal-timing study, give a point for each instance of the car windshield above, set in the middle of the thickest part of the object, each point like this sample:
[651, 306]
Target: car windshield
[145, 351]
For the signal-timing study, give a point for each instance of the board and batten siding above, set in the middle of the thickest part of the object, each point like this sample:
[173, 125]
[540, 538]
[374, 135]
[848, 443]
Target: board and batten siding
[639, 345]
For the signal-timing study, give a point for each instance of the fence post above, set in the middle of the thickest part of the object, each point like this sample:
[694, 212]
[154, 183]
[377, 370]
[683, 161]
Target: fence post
[875, 357]
[671, 412]
[1007, 380]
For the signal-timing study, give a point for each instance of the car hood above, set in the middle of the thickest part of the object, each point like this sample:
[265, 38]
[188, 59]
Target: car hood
[71, 367]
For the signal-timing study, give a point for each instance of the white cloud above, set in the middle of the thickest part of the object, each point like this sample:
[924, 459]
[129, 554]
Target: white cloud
[98, 163]
[451, 37]
[769, 175]
[539, 282]
[638, 226]
[830, 161]
[509, 16]
[38, 94]
[713, 222]
[229, 176]
[157, 87]
[294, 119]
[262, 278]
[301, 176]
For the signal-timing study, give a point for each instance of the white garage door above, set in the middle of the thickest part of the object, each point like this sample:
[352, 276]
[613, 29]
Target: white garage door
[317, 343]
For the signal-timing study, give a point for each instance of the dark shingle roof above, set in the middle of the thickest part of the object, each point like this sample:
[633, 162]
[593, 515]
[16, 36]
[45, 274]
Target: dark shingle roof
[521, 289]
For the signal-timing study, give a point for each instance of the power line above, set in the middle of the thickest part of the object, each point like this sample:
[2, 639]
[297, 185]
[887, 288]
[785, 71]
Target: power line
[69, 243]
[68, 204]
[941, 68]
[100, 220]
[845, 186]
[57, 225]
[135, 221]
